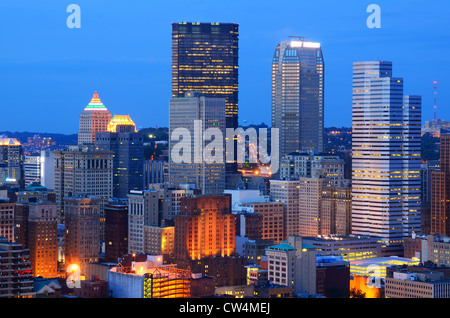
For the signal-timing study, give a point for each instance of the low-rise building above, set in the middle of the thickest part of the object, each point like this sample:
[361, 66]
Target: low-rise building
[424, 284]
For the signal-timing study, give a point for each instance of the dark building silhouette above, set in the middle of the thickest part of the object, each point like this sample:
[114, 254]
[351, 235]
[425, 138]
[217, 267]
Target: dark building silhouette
[128, 159]
[116, 230]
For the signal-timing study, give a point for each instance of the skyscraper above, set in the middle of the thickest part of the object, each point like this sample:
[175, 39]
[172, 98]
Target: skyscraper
[128, 162]
[11, 161]
[17, 276]
[116, 230]
[205, 60]
[32, 170]
[7, 216]
[440, 191]
[194, 114]
[204, 228]
[82, 240]
[94, 118]
[298, 95]
[83, 170]
[47, 169]
[386, 144]
[43, 239]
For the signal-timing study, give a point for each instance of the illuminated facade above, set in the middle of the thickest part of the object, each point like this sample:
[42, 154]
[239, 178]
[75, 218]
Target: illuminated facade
[298, 95]
[205, 60]
[16, 278]
[148, 212]
[440, 191]
[376, 267]
[82, 226]
[7, 216]
[149, 279]
[350, 247]
[47, 169]
[94, 118]
[32, 170]
[204, 228]
[118, 121]
[386, 156]
[43, 238]
[158, 240]
[11, 162]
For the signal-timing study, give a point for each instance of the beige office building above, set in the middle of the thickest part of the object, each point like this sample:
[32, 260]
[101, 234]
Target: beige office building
[417, 285]
[83, 170]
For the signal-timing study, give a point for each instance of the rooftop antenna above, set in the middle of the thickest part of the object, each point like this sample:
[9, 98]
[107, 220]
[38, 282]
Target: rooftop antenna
[299, 38]
[435, 98]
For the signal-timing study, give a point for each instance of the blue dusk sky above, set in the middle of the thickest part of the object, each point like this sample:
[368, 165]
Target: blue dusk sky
[48, 72]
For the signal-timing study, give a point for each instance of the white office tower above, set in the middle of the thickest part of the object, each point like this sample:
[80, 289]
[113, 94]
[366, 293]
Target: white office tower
[47, 169]
[191, 119]
[386, 142]
[32, 170]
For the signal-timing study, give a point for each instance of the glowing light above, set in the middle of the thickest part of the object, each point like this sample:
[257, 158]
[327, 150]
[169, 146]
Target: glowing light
[95, 104]
[121, 120]
[73, 267]
[312, 45]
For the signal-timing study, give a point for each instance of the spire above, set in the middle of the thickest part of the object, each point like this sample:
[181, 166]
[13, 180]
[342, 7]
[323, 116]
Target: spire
[95, 104]
[95, 98]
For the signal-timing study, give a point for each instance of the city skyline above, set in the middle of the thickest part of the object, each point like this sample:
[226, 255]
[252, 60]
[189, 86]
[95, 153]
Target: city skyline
[132, 70]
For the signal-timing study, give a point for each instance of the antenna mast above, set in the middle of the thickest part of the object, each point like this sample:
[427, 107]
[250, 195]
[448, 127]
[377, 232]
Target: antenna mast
[435, 98]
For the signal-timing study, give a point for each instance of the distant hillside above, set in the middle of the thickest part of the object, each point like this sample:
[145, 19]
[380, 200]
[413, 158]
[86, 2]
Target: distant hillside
[60, 139]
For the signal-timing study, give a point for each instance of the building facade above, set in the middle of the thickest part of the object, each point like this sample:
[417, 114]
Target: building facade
[386, 144]
[440, 191]
[16, 274]
[205, 59]
[293, 265]
[298, 95]
[417, 285]
[84, 170]
[11, 162]
[82, 226]
[43, 239]
[192, 115]
[128, 159]
[94, 118]
[7, 224]
[32, 170]
[204, 228]
[116, 230]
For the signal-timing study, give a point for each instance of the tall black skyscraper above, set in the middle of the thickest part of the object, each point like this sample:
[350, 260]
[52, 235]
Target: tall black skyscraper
[205, 60]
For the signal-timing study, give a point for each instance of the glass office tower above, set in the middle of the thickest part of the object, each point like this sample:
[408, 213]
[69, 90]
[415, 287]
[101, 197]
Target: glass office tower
[128, 162]
[386, 142]
[298, 95]
[205, 60]
[197, 171]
